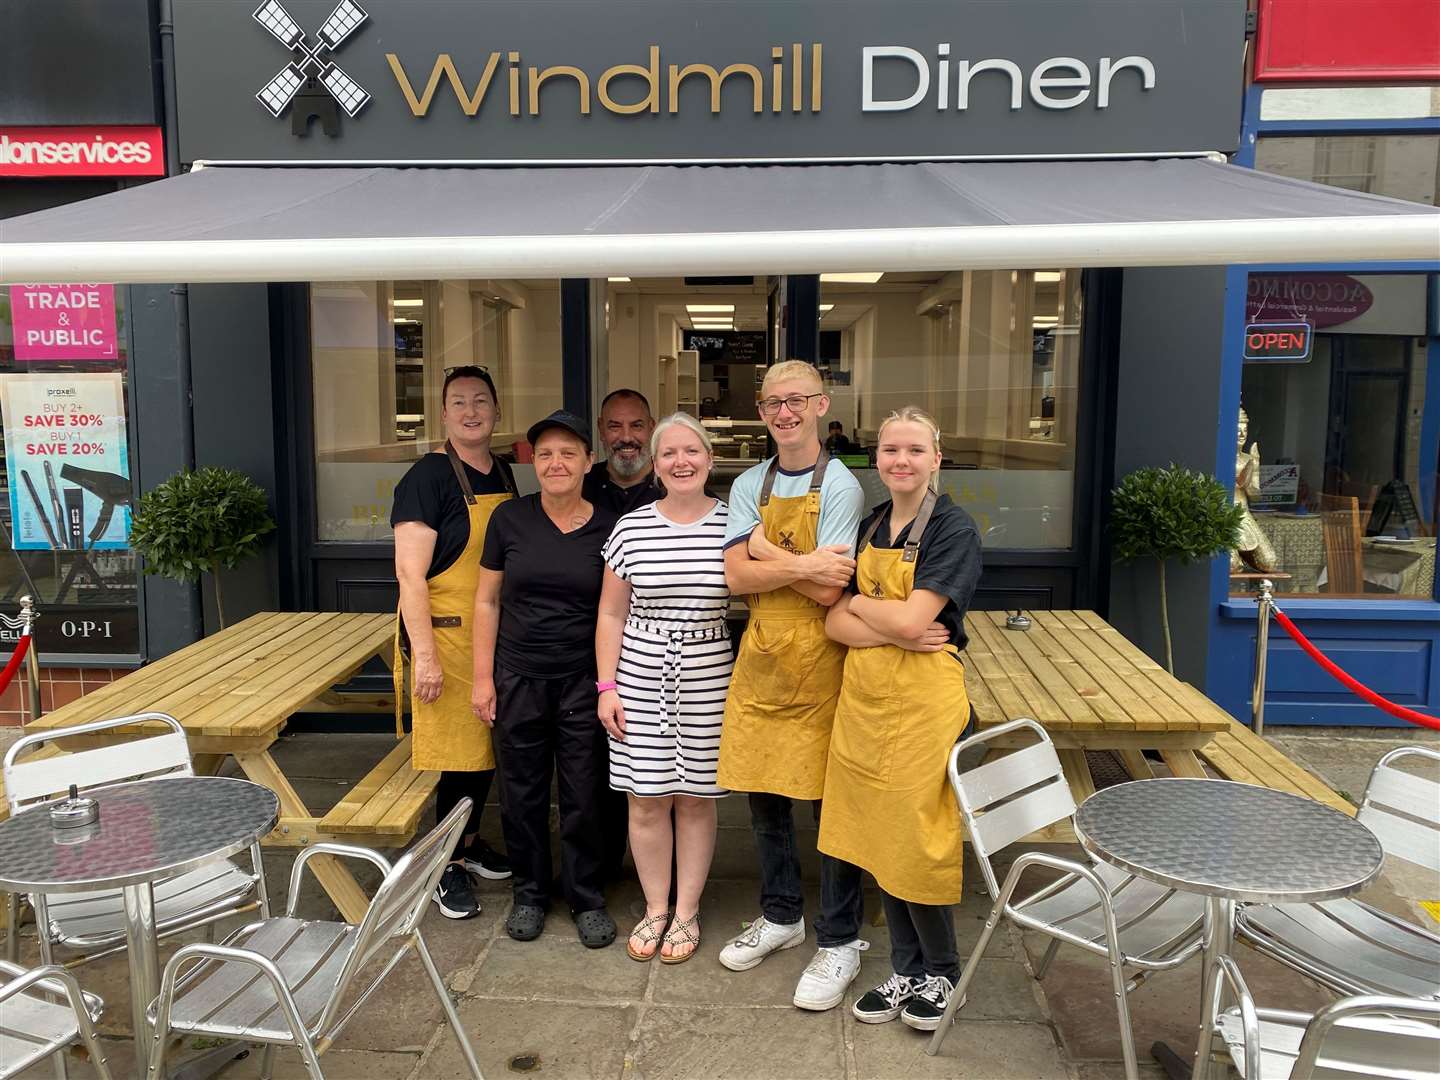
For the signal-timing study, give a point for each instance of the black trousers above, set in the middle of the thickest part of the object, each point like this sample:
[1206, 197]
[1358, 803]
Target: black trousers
[545, 727]
[922, 938]
[455, 786]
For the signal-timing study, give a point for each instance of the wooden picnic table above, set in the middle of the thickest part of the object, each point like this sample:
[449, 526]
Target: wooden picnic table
[234, 692]
[1095, 690]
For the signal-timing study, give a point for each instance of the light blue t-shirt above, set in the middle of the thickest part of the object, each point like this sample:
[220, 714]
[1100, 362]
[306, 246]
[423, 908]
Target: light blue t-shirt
[841, 502]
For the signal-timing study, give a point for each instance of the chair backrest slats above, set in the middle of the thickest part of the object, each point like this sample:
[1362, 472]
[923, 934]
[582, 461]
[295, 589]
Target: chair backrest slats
[1403, 838]
[1008, 822]
[144, 756]
[1403, 810]
[1003, 777]
[1378, 1048]
[400, 901]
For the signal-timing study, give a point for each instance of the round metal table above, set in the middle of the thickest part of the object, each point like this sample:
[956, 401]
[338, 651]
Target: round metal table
[148, 830]
[1228, 842]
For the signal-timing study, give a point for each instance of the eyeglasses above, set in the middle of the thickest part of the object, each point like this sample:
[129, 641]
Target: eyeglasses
[796, 403]
[467, 367]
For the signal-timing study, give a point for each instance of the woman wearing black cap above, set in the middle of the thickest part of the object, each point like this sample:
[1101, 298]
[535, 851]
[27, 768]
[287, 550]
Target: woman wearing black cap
[534, 680]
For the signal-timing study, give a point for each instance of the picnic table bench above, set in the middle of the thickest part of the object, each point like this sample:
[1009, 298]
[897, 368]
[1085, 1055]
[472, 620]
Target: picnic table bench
[234, 692]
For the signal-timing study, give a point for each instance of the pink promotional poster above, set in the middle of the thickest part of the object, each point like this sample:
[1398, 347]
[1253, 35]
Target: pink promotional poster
[64, 322]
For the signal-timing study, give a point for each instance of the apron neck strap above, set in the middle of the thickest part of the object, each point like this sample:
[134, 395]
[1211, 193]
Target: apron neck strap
[917, 527]
[506, 476]
[817, 477]
[459, 467]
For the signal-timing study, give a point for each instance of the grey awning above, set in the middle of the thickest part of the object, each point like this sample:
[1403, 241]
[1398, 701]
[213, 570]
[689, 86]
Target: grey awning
[246, 223]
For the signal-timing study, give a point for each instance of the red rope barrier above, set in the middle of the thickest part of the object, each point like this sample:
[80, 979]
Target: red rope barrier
[16, 659]
[1349, 681]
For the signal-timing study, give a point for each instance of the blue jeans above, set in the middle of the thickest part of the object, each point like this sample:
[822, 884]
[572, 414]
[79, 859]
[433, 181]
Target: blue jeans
[781, 897]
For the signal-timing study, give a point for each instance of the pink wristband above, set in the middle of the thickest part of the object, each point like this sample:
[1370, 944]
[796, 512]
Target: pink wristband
[601, 687]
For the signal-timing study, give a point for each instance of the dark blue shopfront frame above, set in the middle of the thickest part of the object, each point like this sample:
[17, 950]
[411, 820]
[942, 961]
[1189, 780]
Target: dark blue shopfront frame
[1392, 646]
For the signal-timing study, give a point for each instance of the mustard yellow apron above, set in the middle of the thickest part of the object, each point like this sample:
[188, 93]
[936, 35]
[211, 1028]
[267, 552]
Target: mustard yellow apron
[888, 806]
[446, 733]
[778, 712]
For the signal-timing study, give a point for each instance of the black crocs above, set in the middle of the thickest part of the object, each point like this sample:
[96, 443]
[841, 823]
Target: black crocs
[596, 928]
[525, 922]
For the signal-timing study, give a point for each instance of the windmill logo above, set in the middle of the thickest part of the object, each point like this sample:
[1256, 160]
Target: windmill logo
[312, 61]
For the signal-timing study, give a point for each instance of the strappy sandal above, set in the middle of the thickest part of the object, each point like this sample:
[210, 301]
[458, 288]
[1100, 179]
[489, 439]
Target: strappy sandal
[648, 935]
[681, 932]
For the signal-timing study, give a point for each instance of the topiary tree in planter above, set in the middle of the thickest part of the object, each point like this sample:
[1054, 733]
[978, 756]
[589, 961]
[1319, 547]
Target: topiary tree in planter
[1172, 513]
[198, 522]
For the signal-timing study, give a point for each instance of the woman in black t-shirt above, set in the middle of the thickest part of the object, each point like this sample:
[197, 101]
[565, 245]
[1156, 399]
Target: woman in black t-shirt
[534, 679]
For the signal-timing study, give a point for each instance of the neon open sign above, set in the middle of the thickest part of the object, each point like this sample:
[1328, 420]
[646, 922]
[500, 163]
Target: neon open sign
[1278, 342]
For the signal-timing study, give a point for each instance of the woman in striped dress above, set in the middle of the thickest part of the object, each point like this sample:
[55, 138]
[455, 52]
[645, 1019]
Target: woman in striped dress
[663, 660]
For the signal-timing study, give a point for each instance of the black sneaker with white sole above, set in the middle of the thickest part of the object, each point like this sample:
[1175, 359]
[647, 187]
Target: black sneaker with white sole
[927, 1008]
[454, 895]
[480, 858]
[885, 1002]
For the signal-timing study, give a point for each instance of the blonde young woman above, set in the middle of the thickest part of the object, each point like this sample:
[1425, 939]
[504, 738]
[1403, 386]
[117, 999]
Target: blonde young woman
[663, 661]
[887, 806]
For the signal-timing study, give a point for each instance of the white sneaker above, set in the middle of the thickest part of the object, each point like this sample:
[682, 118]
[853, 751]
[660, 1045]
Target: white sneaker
[828, 976]
[759, 940]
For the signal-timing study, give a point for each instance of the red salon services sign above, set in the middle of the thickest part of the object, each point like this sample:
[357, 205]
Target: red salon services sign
[130, 150]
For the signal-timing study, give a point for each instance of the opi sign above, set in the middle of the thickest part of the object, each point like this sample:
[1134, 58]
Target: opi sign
[678, 80]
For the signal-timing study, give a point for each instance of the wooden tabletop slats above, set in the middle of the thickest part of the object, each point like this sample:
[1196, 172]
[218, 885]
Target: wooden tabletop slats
[245, 680]
[1083, 680]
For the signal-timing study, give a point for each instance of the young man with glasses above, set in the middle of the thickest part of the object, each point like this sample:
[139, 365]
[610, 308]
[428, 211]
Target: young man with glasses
[789, 551]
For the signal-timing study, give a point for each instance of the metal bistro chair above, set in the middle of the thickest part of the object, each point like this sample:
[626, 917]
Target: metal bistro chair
[282, 981]
[42, 1012]
[1349, 946]
[92, 924]
[1138, 926]
[1368, 1037]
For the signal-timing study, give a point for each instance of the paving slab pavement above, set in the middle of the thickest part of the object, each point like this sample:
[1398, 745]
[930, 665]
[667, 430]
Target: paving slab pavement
[552, 1008]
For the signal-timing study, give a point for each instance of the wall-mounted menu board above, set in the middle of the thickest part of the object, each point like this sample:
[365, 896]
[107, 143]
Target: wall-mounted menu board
[727, 346]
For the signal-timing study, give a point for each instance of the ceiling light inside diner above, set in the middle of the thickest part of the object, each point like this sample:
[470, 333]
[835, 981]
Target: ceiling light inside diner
[726, 308]
[863, 277]
[1051, 276]
[826, 307]
[619, 280]
[408, 303]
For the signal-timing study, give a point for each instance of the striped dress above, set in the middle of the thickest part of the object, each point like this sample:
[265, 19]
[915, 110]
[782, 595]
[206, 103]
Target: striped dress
[675, 658]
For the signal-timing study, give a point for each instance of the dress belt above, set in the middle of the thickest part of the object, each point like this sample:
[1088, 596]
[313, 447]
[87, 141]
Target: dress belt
[670, 667]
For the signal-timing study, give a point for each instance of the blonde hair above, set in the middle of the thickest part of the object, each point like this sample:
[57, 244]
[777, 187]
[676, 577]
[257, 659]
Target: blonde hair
[680, 419]
[792, 369]
[913, 414]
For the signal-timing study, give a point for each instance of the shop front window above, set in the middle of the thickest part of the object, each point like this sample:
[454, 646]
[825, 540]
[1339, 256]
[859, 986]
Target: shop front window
[994, 356]
[1335, 459]
[380, 352]
[66, 469]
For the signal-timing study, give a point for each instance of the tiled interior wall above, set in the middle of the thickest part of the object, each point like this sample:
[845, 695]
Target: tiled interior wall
[58, 686]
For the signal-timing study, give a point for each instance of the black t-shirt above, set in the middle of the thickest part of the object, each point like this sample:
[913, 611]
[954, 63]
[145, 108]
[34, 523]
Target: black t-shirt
[948, 562]
[430, 493]
[600, 490]
[551, 592]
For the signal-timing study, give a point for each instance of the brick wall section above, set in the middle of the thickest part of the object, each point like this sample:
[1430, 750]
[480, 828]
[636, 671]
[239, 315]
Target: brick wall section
[58, 686]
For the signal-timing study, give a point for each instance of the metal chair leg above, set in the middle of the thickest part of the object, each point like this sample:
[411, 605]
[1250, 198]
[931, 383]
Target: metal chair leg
[267, 1062]
[1122, 1007]
[308, 1055]
[61, 1071]
[1044, 964]
[466, 1051]
[12, 927]
[971, 966]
